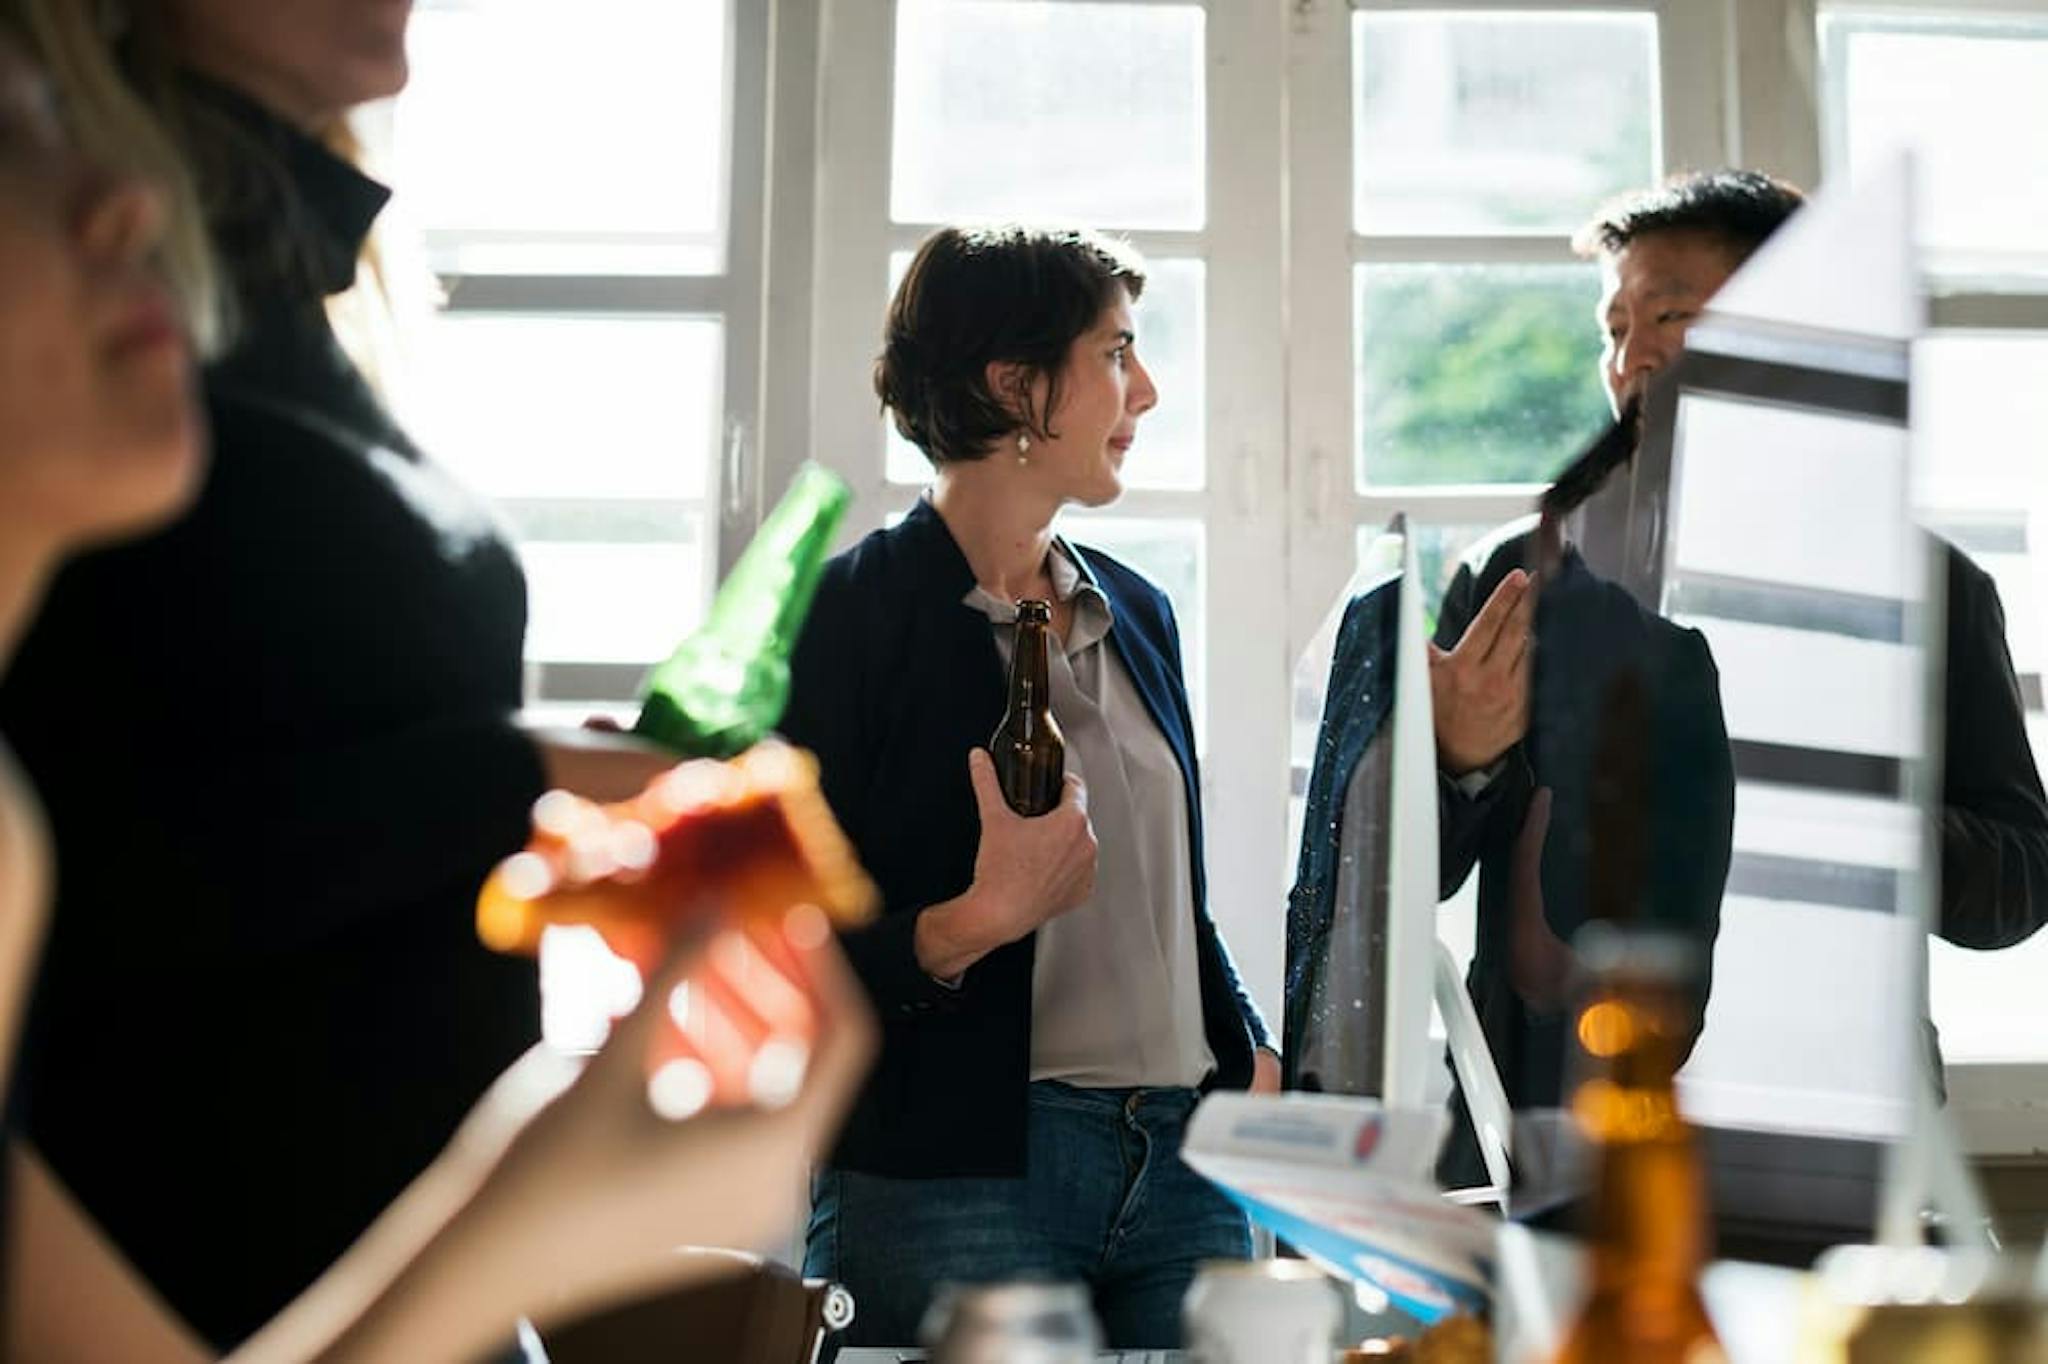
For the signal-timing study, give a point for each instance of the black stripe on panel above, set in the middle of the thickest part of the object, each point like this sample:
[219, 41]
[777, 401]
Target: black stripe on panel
[1863, 774]
[1764, 876]
[1782, 604]
[1855, 395]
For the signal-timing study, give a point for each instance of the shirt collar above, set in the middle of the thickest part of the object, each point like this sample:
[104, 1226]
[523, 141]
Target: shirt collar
[1092, 615]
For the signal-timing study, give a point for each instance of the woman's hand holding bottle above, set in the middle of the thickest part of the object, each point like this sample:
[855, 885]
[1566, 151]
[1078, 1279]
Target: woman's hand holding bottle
[1027, 871]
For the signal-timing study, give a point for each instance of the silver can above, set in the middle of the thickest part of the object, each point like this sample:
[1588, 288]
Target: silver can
[1260, 1312]
[1011, 1323]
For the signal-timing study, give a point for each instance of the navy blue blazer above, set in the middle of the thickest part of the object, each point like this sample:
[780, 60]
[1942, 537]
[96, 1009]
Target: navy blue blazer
[894, 679]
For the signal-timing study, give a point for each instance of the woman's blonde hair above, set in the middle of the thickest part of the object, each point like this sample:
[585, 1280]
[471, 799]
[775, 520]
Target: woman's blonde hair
[394, 286]
[112, 119]
[123, 104]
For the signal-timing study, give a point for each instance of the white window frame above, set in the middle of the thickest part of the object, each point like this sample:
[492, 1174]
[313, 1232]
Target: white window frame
[729, 503]
[1241, 505]
[1738, 85]
[1692, 74]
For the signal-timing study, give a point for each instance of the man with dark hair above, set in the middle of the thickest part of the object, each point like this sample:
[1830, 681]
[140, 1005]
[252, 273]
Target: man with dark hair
[1738, 209]
[1663, 253]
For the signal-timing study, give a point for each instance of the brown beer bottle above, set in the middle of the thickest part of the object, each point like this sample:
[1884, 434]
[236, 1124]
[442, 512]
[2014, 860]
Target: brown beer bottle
[1029, 752]
[1648, 1239]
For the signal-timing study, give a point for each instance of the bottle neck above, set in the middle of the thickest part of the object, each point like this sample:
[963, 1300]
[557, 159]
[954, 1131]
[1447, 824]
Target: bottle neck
[1650, 1213]
[1649, 1231]
[763, 602]
[1028, 682]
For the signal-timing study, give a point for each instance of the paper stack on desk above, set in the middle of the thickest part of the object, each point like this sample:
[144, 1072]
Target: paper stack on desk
[1349, 1183]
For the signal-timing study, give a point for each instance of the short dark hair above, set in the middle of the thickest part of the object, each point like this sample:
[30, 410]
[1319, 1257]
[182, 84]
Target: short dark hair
[1739, 207]
[975, 296]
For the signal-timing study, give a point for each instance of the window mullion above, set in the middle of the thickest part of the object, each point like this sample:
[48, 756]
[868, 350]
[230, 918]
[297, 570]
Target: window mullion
[1320, 346]
[1150, 241]
[1775, 119]
[851, 288]
[1532, 249]
[669, 295]
[737, 485]
[1693, 39]
[788, 302]
[1246, 384]
[1445, 506]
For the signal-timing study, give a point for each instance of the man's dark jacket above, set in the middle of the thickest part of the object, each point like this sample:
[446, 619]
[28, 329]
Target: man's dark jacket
[1589, 634]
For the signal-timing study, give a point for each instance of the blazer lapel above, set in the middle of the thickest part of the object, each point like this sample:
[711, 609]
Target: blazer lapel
[1136, 635]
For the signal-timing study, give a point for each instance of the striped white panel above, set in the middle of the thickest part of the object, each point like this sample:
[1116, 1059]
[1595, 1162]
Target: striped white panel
[1804, 1028]
[1820, 826]
[1781, 494]
[1817, 691]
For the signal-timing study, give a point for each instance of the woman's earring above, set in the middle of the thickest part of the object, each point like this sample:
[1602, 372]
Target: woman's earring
[1023, 449]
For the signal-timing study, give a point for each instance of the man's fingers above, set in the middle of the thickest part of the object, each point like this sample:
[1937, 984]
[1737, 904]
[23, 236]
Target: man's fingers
[1524, 613]
[1485, 630]
[1512, 645]
[1517, 654]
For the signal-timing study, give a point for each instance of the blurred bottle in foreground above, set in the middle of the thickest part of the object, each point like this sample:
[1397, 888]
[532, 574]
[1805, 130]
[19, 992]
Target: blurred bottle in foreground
[726, 685]
[1648, 1237]
[1923, 1305]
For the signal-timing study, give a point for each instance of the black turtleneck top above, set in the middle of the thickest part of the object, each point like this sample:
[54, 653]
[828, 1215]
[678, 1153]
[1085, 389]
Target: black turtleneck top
[277, 751]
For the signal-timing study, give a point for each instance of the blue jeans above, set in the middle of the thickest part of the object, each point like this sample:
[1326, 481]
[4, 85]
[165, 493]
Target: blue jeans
[1104, 1200]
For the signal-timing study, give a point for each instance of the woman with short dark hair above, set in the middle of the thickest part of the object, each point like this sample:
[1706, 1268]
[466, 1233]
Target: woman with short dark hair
[1053, 991]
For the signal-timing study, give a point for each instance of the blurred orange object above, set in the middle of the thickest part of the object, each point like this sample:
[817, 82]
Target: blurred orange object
[733, 841]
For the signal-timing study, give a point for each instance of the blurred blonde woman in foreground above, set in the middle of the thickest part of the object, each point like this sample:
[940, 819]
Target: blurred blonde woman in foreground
[562, 1190]
[295, 710]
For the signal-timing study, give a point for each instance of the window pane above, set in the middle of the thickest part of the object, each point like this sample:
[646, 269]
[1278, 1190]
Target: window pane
[590, 138]
[1499, 122]
[1972, 394]
[1980, 487]
[1972, 100]
[1438, 550]
[1987, 491]
[570, 407]
[1474, 374]
[1021, 108]
[906, 463]
[1171, 339]
[1989, 1006]
[599, 603]
[1173, 555]
[1170, 451]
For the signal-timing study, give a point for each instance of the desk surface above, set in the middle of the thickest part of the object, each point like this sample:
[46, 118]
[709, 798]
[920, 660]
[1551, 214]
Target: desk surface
[1755, 1307]
[904, 1356]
